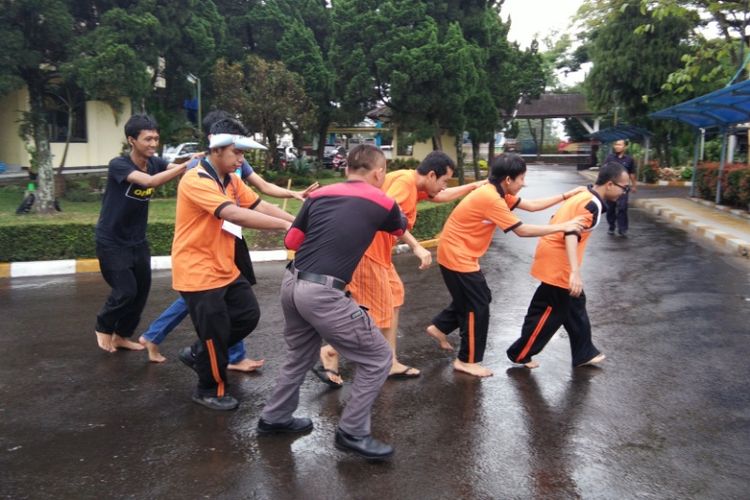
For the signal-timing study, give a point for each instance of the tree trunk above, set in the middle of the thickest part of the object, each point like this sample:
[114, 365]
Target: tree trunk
[533, 135]
[460, 162]
[322, 139]
[68, 136]
[437, 140]
[272, 144]
[491, 151]
[42, 157]
[475, 158]
[541, 142]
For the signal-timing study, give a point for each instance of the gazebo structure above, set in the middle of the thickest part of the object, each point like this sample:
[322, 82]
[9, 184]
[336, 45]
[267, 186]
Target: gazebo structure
[721, 109]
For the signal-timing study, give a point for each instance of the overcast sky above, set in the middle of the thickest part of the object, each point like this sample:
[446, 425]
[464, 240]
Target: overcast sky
[529, 17]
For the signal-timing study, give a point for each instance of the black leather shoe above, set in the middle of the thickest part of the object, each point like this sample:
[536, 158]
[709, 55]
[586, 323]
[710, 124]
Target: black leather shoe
[294, 426]
[365, 446]
[223, 403]
[186, 356]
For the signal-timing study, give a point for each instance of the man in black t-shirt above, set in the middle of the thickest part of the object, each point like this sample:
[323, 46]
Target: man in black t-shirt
[121, 246]
[330, 234]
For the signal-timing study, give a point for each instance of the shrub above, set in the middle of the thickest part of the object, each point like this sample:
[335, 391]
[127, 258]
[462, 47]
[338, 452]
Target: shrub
[431, 218]
[31, 242]
[402, 164]
[650, 172]
[735, 182]
[686, 174]
[86, 189]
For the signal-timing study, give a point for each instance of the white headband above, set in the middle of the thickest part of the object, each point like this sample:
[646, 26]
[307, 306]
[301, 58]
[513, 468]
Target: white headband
[239, 142]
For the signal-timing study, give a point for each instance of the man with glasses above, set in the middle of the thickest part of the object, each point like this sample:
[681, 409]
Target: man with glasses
[617, 211]
[559, 300]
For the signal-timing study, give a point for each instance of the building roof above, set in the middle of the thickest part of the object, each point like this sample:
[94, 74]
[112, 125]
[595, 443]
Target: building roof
[554, 106]
[721, 108]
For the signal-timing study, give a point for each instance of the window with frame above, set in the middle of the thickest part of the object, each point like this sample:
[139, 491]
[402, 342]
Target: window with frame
[58, 105]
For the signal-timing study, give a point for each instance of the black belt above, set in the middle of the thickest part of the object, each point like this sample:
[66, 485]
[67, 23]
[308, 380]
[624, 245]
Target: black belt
[321, 279]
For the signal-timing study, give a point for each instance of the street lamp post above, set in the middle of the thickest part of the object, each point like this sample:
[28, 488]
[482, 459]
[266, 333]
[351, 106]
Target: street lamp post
[197, 82]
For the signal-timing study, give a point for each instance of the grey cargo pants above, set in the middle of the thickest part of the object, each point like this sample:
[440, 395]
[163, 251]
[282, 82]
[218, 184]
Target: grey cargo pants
[313, 312]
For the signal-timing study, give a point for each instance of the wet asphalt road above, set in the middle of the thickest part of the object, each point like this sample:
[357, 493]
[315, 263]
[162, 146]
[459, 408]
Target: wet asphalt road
[667, 416]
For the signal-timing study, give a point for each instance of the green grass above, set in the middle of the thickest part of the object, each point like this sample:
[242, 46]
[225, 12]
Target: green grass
[160, 210]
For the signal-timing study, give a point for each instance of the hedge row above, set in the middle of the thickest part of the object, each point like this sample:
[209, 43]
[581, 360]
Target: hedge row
[735, 184]
[29, 242]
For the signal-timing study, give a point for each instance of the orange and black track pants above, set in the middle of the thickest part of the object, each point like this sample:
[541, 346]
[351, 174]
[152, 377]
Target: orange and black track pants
[469, 311]
[222, 317]
[552, 307]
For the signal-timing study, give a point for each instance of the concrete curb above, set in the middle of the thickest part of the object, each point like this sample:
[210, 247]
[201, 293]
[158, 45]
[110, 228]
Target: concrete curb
[73, 266]
[728, 242]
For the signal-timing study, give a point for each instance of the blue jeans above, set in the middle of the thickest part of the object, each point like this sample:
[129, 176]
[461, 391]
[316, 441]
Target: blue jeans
[173, 316]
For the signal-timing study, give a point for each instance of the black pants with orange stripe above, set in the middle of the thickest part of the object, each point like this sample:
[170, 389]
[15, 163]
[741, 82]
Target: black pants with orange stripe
[469, 311]
[550, 308]
[222, 317]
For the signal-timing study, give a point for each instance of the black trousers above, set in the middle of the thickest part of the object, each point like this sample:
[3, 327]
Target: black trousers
[222, 317]
[128, 271]
[617, 214]
[469, 311]
[550, 308]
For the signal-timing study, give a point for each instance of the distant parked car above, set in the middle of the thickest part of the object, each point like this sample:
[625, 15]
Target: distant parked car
[579, 148]
[184, 149]
[329, 152]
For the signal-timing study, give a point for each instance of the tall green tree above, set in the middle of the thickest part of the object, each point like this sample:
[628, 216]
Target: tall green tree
[717, 48]
[266, 96]
[630, 66]
[394, 53]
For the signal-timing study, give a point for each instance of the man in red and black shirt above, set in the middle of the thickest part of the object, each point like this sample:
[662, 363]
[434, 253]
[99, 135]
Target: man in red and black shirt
[331, 233]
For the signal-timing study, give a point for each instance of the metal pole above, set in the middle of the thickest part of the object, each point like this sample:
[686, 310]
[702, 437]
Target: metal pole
[721, 164]
[696, 150]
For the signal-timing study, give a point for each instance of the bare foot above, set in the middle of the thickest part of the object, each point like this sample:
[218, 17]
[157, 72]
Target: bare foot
[153, 350]
[246, 365]
[403, 371]
[531, 364]
[595, 360]
[474, 369]
[329, 358]
[105, 341]
[442, 339]
[124, 343]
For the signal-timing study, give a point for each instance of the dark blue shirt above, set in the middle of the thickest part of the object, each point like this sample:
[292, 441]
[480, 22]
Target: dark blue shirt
[626, 161]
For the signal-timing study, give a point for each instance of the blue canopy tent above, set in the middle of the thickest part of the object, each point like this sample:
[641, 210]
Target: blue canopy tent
[720, 109]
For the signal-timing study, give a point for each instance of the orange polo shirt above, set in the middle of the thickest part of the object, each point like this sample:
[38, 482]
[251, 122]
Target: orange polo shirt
[401, 185]
[467, 233]
[551, 263]
[202, 252]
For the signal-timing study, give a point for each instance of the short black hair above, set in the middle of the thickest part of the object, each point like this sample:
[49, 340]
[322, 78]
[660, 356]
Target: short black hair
[363, 156]
[610, 171]
[211, 118]
[506, 165]
[438, 162]
[138, 123]
[228, 126]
